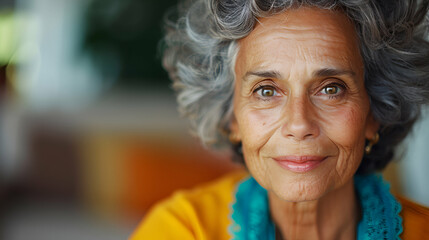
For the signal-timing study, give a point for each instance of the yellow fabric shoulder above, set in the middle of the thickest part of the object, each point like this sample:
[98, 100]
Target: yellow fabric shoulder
[201, 213]
[415, 220]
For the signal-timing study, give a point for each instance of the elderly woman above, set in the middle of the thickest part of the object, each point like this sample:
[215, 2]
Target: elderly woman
[314, 96]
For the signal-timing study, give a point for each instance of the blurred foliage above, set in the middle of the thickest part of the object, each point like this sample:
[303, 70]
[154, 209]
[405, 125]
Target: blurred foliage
[7, 36]
[122, 37]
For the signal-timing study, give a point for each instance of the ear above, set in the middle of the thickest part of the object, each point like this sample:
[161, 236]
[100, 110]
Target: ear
[235, 136]
[372, 127]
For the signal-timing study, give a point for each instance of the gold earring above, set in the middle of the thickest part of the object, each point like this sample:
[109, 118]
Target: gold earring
[371, 143]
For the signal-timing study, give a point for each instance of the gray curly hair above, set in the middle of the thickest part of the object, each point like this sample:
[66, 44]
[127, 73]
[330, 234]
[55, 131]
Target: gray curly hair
[201, 47]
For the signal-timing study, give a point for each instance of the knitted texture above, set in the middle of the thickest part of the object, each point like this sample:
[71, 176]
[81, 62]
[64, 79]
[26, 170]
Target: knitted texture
[251, 220]
[380, 210]
[250, 216]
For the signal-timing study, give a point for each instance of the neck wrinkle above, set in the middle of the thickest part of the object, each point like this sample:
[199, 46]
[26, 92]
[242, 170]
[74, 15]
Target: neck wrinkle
[334, 216]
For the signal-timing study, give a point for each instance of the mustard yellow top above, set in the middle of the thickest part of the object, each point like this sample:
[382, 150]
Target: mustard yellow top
[202, 213]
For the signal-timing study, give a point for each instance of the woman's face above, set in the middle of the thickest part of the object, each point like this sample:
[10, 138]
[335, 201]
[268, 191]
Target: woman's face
[300, 105]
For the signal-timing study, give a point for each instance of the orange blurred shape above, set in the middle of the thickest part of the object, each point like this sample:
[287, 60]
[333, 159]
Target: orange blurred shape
[156, 168]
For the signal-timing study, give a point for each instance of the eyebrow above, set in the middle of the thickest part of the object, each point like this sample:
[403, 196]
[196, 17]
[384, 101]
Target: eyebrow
[323, 72]
[264, 74]
[326, 72]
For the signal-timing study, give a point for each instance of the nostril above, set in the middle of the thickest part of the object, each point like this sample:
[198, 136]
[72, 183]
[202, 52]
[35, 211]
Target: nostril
[308, 135]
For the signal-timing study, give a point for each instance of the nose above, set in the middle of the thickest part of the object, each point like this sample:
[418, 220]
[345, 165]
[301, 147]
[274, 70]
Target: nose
[299, 121]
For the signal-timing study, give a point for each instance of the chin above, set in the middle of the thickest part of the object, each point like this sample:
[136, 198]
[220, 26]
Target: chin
[300, 193]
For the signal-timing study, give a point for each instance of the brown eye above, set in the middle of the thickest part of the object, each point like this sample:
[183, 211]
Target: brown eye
[331, 90]
[267, 91]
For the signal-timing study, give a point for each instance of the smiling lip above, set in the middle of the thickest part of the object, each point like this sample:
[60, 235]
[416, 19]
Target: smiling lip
[299, 164]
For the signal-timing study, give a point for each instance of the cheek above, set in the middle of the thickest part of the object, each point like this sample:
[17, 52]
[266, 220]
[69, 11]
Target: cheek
[344, 122]
[256, 128]
[259, 125]
[347, 127]
[347, 132]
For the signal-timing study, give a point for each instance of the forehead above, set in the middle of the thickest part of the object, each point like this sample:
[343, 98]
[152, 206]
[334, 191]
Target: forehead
[307, 35]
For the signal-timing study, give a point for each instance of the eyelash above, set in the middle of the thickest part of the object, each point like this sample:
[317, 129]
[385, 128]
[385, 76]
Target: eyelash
[341, 86]
[260, 86]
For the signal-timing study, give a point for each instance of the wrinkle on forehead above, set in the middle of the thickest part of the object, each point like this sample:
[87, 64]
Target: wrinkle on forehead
[326, 25]
[326, 35]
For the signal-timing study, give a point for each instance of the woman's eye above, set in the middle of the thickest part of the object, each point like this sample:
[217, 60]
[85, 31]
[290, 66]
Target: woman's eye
[331, 90]
[266, 91]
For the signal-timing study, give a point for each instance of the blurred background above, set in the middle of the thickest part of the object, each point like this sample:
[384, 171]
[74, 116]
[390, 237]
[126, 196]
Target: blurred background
[90, 136]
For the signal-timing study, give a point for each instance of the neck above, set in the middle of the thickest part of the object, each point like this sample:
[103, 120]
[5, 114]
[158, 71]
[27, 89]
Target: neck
[334, 216]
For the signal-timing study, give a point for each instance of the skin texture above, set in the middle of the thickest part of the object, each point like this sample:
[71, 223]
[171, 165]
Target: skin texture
[300, 91]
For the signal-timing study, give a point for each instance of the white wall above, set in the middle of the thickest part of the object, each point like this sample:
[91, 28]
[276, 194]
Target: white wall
[414, 167]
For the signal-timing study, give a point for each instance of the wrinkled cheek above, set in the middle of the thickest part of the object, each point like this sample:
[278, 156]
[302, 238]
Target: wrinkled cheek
[259, 126]
[348, 134]
[352, 132]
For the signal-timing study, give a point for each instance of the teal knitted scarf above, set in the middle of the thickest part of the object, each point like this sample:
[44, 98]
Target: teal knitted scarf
[380, 211]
